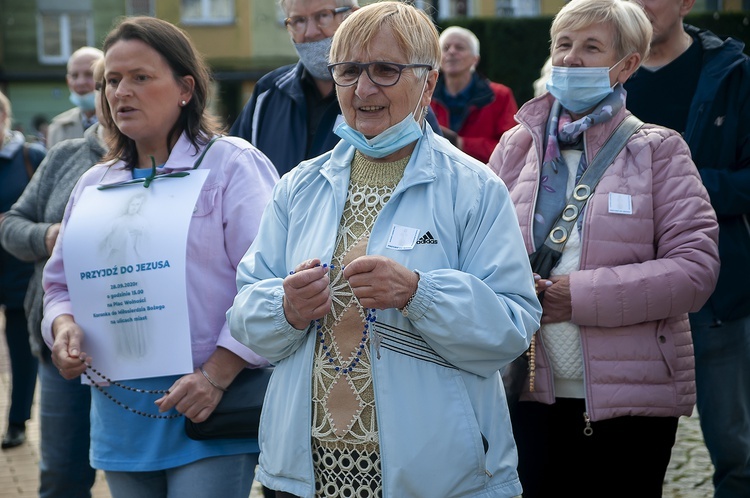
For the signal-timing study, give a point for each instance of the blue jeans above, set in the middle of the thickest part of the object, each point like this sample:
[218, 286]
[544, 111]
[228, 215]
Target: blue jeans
[224, 476]
[64, 414]
[23, 366]
[722, 372]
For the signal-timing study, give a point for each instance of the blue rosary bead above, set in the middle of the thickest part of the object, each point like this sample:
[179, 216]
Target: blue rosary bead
[370, 318]
[325, 265]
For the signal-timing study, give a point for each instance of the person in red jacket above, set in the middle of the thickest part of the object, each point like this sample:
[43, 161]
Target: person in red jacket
[473, 111]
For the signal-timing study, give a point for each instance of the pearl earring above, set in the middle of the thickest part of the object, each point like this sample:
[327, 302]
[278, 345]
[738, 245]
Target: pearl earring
[183, 103]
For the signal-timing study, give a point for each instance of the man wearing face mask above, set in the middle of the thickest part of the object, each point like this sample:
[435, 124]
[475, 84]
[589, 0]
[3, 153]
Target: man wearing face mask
[293, 110]
[610, 370]
[80, 78]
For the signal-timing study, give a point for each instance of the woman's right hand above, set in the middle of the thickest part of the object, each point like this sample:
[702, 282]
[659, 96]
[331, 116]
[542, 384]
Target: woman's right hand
[307, 296]
[66, 350]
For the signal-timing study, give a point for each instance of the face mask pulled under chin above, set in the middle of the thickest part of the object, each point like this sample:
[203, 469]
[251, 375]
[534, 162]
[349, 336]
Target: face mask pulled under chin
[387, 142]
[314, 56]
[86, 102]
[580, 88]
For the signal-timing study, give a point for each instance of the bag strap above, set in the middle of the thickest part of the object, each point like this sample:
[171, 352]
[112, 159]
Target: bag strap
[27, 161]
[558, 236]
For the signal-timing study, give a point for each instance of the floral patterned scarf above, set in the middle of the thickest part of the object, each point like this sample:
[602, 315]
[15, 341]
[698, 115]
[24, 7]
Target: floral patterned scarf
[564, 133]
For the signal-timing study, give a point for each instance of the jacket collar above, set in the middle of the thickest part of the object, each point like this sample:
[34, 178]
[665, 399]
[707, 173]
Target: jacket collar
[182, 158]
[534, 114]
[481, 93]
[720, 55]
[290, 83]
[336, 169]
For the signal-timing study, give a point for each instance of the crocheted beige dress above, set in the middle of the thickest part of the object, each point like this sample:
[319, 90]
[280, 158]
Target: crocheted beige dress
[346, 453]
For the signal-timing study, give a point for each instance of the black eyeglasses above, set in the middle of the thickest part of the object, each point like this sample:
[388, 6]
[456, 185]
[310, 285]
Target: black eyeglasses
[323, 19]
[380, 73]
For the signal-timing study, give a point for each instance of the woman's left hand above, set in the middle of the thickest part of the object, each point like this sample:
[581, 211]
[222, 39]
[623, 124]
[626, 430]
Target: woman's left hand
[556, 306]
[194, 395]
[381, 283]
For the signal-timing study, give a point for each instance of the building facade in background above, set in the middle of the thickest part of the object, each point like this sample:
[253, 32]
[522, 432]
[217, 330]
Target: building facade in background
[241, 40]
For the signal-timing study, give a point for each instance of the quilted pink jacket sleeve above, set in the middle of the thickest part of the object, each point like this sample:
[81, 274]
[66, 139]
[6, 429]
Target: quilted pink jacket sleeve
[661, 261]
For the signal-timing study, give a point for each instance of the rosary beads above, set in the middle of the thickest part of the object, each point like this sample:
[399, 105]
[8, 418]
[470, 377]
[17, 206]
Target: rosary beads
[324, 265]
[127, 388]
[369, 319]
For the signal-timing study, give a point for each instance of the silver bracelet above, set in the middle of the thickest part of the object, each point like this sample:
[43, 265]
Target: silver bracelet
[405, 311]
[211, 381]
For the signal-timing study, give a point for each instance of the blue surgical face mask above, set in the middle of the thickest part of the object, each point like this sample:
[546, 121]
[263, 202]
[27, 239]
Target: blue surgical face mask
[86, 102]
[314, 56]
[580, 88]
[389, 141]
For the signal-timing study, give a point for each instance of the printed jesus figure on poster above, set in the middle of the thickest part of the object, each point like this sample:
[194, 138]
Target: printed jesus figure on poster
[125, 267]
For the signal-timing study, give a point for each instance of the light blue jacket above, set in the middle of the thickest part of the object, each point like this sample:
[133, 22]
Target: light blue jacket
[442, 414]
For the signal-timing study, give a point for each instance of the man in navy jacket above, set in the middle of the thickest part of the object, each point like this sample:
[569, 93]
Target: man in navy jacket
[699, 84]
[293, 110]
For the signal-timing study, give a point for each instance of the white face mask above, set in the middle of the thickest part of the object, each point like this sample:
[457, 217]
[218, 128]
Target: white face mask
[580, 88]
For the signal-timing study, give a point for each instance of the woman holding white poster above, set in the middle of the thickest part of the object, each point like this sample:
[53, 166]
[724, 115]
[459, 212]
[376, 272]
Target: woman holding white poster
[155, 92]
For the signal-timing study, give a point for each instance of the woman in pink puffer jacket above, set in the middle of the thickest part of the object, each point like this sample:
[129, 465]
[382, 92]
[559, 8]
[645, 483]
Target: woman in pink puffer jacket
[613, 360]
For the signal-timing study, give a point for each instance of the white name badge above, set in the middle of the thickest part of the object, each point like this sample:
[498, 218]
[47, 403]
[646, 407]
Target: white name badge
[620, 203]
[402, 238]
[124, 253]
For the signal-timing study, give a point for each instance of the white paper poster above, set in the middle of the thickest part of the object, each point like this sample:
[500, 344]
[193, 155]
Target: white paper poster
[124, 252]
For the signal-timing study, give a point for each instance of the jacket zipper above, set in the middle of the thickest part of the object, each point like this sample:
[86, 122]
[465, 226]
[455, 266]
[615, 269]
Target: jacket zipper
[588, 430]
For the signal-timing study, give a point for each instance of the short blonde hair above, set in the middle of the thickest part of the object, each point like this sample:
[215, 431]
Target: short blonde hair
[412, 29]
[8, 110]
[631, 29]
[98, 69]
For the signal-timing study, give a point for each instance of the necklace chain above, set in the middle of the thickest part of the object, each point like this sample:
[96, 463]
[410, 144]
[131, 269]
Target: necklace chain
[127, 388]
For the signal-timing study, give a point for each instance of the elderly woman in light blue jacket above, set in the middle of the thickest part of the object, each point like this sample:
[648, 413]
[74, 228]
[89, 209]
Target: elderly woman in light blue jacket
[389, 285]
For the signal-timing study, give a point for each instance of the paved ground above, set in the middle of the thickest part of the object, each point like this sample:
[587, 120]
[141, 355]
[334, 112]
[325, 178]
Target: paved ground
[689, 474]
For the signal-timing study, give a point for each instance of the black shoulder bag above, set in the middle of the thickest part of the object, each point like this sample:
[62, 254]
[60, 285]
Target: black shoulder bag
[237, 416]
[546, 257]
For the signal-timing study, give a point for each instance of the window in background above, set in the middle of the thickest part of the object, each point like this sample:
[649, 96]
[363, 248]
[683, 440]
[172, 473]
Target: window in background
[140, 7]
[517, 8]
[454, 8]
[60, 33]
[207, 11]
